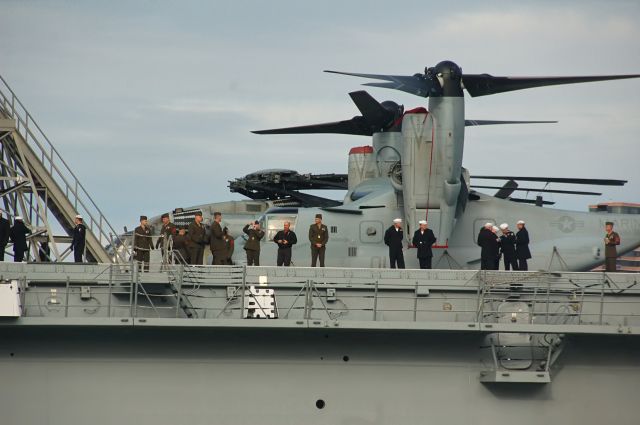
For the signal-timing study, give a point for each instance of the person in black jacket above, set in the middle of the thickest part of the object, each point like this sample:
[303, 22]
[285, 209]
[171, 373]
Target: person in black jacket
[79, 239]
[285, 239]
[508, 247]
[522, 246]
[423, 240]
[5, 228]
[393, 239]
[18, 235]
[488, 243]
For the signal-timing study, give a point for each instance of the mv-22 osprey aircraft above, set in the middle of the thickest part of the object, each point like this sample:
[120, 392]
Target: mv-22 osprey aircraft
[413, 170]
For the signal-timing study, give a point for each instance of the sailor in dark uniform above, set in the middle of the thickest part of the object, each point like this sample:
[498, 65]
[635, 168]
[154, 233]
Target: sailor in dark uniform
[489, 251]
[5, 228]
[611, 240]
[522, 246]
[142, 244]
[285, 239]
[79, 239]
[508, 247]
[318, 238]
[167, 232]
[393, 238]
[423, 240]
[18, 235]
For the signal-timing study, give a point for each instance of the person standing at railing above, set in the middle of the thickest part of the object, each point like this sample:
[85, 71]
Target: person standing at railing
[196, 240]
[522, 246]
[393, 238]
[285, 239]
[18, 235]
[167, 232]
[217, 243]
[318, 238]
[611, 240]
[5, 228]
[142, 244]
[180, 246]
[78, 241]
[229, 244]
[252, 246]
[423, 240]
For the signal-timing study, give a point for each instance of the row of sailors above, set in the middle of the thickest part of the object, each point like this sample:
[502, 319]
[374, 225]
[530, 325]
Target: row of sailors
[512, 247]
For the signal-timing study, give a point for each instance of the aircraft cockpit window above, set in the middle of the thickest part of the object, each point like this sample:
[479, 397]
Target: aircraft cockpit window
[275, 223]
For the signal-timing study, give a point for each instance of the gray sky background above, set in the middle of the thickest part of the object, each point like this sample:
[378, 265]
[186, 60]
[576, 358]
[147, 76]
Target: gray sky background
[151, 102]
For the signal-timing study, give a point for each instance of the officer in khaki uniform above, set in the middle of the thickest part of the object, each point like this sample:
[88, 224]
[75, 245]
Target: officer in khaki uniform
[252, 246]
[142, 244]
[318, 237]
[611, 239]
[217, 243]
[196, 240]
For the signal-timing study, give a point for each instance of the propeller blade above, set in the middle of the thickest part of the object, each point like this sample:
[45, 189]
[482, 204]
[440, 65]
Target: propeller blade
[531, 189]
[595, 182]
[472, 123]
[373, 112]
[485, 84]
[355, 126]
[414, 84]
[531, 201]
[506, 190]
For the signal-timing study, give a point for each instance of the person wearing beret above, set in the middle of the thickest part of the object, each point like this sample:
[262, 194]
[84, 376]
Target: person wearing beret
[318, 238]
[611, 240]
[142, 244]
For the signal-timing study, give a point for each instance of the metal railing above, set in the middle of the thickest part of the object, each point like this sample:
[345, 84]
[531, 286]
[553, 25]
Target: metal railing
[220, 292]
[58, 169]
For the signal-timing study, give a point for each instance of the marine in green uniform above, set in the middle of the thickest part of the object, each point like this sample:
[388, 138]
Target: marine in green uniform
[196, 240]
[318, 237]
[167, 232]
[217, 242]
[252, 246]
[611, 240]
[142, 244]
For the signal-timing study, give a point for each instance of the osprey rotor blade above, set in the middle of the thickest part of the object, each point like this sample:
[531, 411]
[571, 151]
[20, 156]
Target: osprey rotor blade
[485, 84]
[473, 123]
[569, 180]
[373, 112]
[355, 126]
[415, 84]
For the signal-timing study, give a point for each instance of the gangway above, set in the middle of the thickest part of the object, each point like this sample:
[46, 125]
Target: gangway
[37, 184]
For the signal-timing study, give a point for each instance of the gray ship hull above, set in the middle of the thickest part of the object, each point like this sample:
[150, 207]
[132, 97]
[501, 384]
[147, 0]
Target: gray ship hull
[196, 376]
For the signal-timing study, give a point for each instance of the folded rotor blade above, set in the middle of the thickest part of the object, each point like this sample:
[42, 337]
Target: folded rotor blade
[595, 182]
[485, 84]
[471, 123]
[414, 84]
[531, 201]
[373, 112]
[506, 190]
[356, 126]
[531, 189]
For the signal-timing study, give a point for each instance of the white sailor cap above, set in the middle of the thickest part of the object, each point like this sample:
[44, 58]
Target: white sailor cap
[397, 220]
[520, 222]
[422, 222]
[79, 216]
[488, 224]
[495, 228]
[504, 226]
[18, 218]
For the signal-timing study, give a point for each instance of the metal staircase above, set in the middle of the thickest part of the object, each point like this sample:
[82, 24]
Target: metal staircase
[37, 184]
